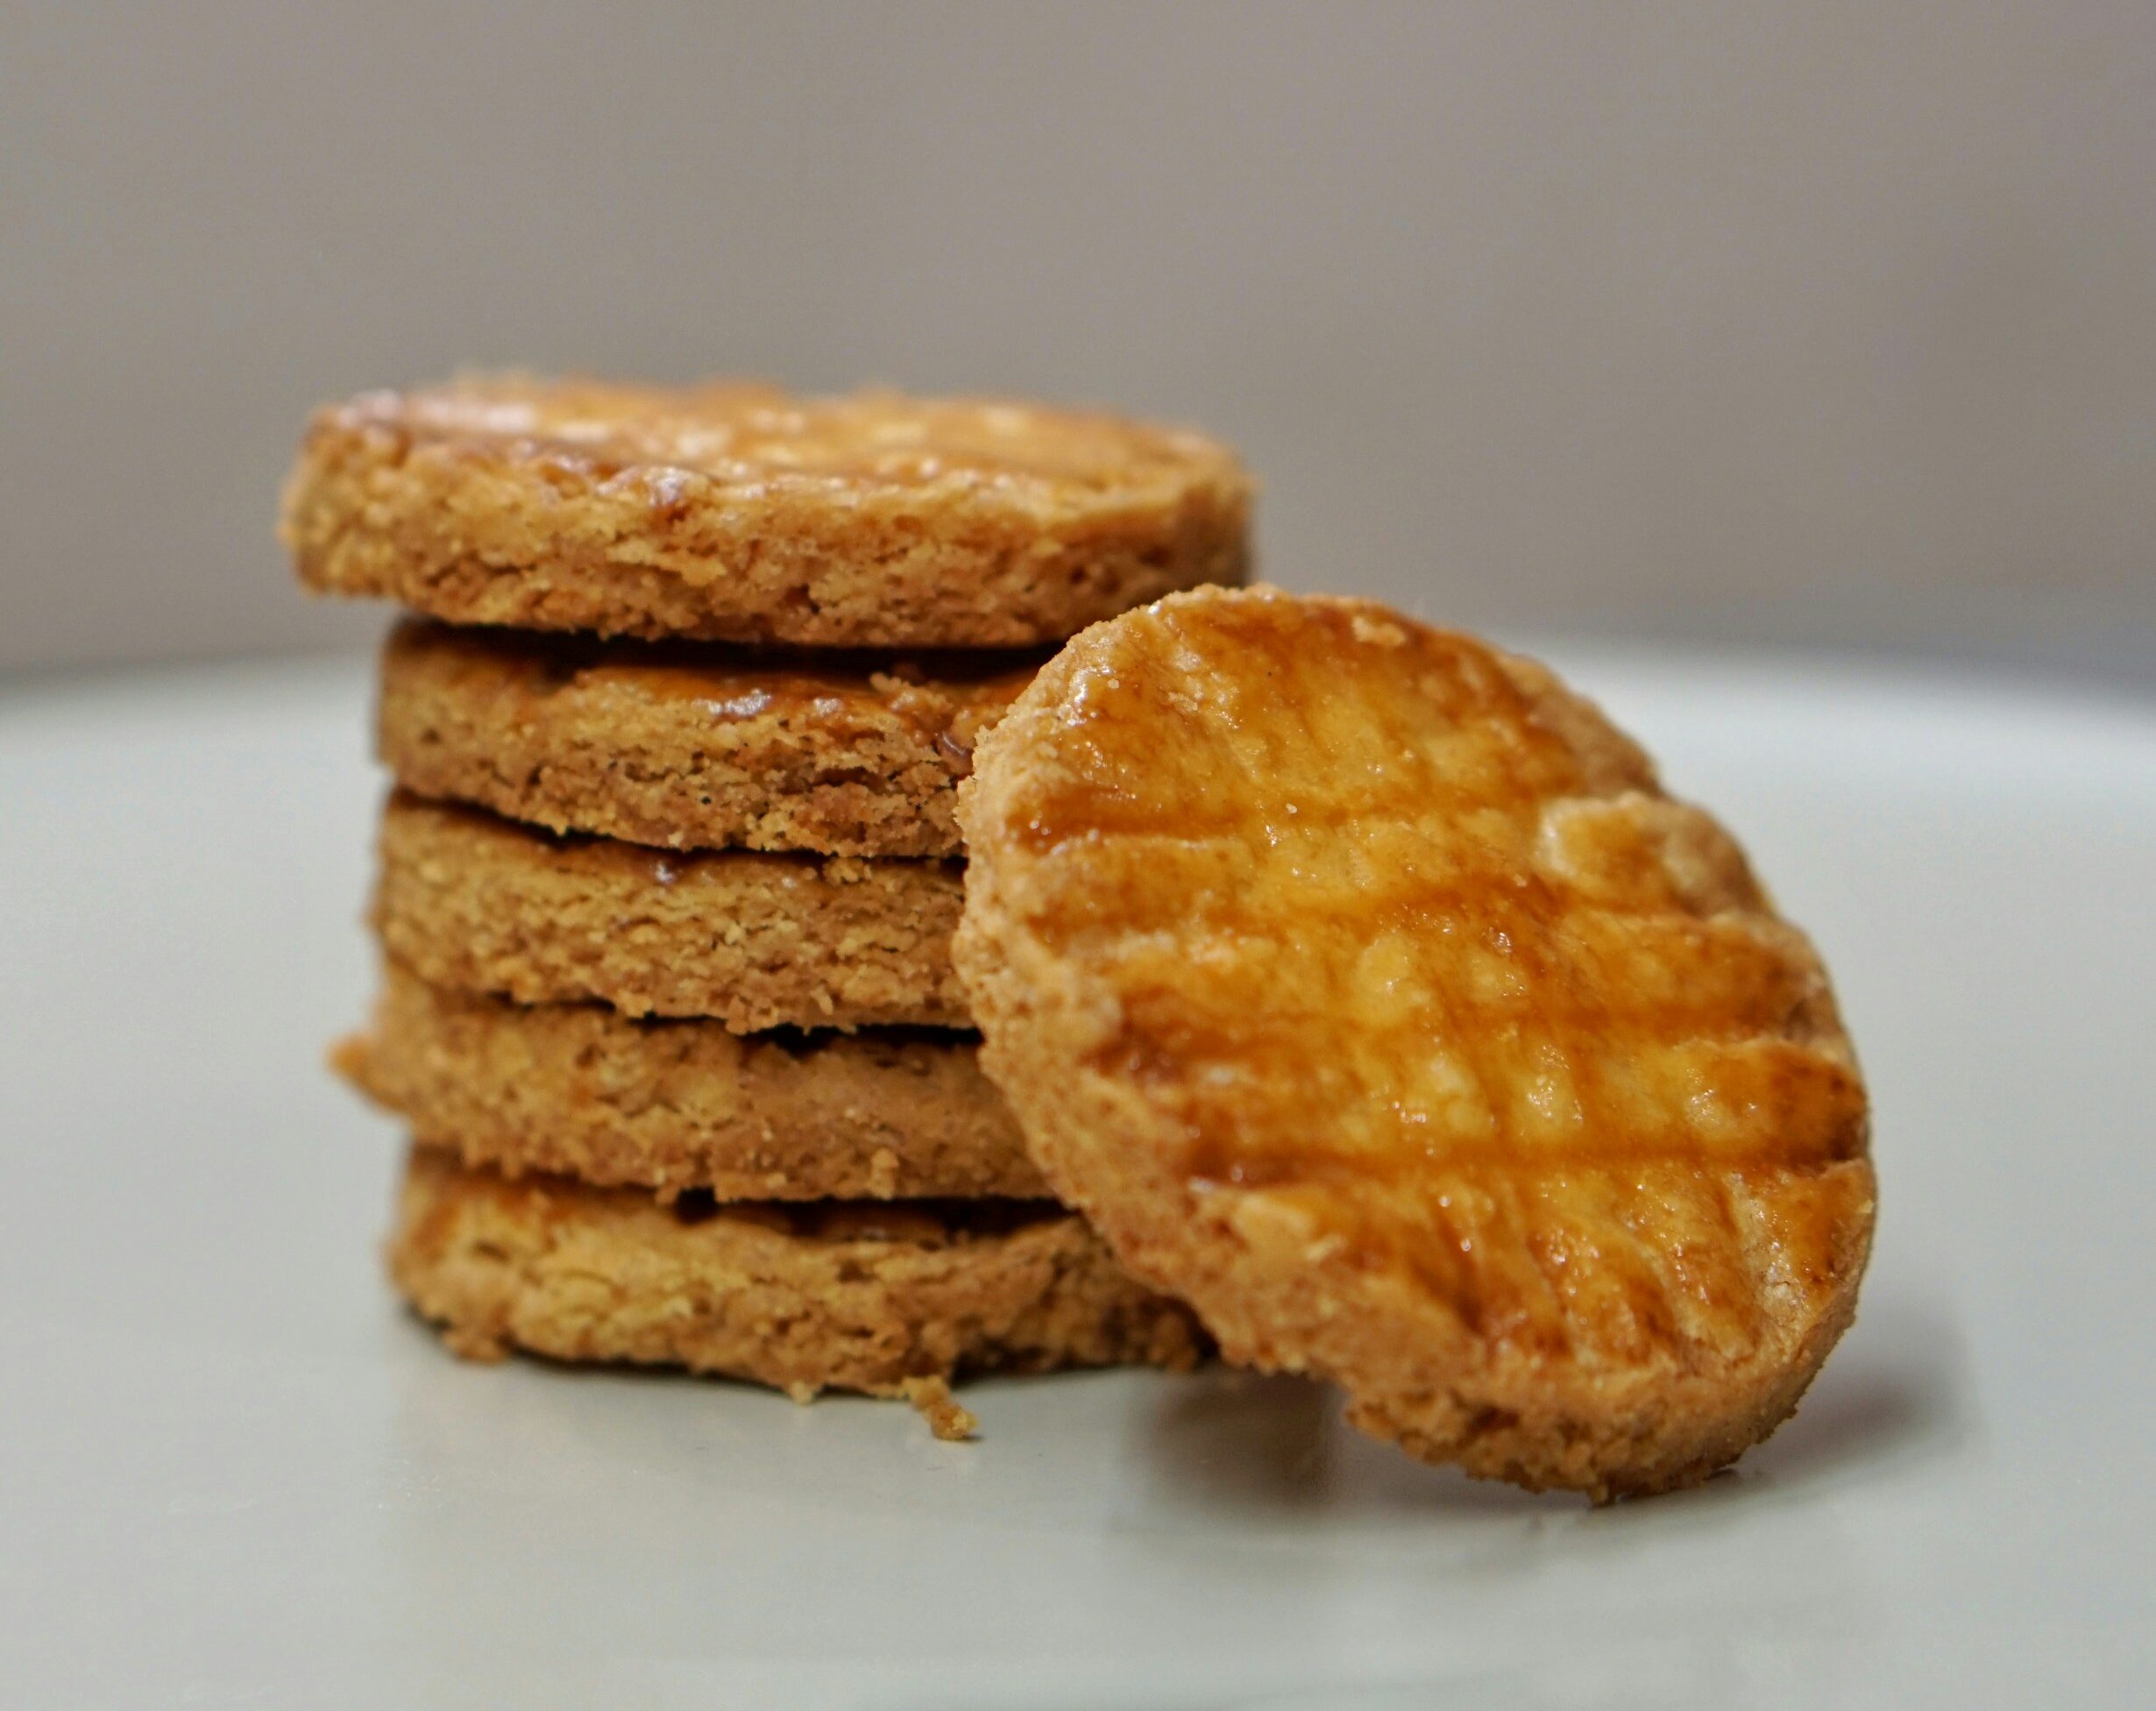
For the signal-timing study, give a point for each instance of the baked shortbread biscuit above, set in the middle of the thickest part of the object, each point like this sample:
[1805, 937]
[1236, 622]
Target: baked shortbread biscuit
[751, 940]
[697, 746]
[873, 1298]
[737, 512]
[1362, 986]
[673, 1105]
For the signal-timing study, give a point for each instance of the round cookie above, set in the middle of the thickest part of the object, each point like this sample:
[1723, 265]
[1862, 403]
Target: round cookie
[737, 512]
[750, 939]
[1363, 988]
[803, 1299]
[702, 747]
[674, 1105]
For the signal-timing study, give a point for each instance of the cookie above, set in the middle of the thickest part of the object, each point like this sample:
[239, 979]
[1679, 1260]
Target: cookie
[754, 940]
[701, 746]
[737, 512]
[882, 1299]
[1363, 987]
[672, 1105]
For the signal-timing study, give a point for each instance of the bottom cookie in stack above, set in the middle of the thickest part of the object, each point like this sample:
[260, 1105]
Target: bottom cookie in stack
[885, 1297]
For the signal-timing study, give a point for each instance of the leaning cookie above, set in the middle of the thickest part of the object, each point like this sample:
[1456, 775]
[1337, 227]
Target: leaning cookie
[692, 747]
[751, 940]
[1363, 988]
[677, 1105]
[874, 1299]
[737, 512]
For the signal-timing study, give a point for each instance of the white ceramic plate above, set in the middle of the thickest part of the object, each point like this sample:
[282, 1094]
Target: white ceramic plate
[232, 1473]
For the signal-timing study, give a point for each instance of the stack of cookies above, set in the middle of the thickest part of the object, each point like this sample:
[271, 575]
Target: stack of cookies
[670, 869]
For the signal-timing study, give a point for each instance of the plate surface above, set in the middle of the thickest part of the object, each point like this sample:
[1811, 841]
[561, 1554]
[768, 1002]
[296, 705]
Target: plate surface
[232, 1473]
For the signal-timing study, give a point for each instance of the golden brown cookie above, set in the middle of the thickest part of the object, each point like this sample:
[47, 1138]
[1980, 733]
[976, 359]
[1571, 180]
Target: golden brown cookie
[736, 513]
[1365, 990]
[670, 1106]
[751, 940]
[876, 1298]
[696, 745]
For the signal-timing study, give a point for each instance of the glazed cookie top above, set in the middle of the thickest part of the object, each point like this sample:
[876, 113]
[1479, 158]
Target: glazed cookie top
[1363, 986]
[736, 512]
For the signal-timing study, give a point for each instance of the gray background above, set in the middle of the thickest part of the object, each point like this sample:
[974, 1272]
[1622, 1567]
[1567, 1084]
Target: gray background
[1759, 322]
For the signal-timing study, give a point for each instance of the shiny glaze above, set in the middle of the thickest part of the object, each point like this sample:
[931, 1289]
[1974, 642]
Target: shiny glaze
[1455, 992]
[665, 445]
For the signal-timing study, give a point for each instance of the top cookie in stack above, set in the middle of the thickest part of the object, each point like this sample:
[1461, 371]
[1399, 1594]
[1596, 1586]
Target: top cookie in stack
[669, 876]
[734, 512]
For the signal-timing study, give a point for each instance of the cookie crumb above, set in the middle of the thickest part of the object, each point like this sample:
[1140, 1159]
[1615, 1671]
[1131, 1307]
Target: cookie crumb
[947, 1417]
[477, 1343]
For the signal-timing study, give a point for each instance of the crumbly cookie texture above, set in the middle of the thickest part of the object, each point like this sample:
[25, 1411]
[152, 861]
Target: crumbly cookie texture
[737, 513]
[1365, 990]
[754, 940]
[892, 1301]
[947, 1417]
[692, 746]
[673, 1105]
